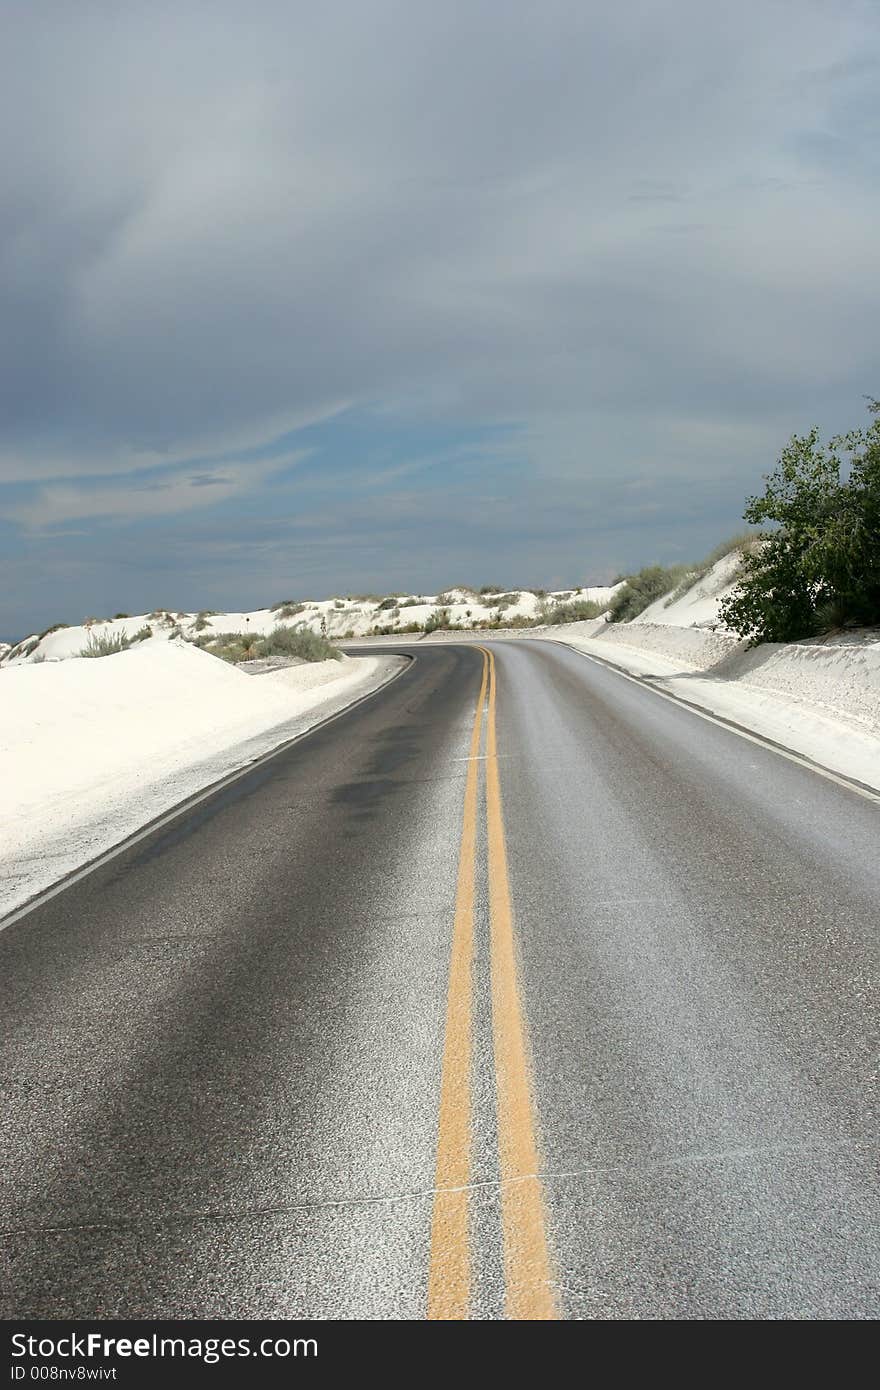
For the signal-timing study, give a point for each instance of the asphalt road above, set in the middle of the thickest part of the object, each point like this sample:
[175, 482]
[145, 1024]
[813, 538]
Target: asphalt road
[534, 995]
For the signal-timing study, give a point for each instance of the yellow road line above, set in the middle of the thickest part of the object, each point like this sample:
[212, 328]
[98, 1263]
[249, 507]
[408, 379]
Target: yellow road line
[527, 1265]
[449, 1276]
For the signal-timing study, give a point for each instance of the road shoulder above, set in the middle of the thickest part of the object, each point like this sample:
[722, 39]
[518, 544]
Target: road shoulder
[81, 818]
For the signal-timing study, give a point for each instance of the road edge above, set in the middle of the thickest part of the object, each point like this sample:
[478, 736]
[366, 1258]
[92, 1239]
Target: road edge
[863, 789]
[180, 808]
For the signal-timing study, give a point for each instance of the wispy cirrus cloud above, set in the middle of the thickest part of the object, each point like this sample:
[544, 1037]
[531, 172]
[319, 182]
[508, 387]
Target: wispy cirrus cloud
[142, 497]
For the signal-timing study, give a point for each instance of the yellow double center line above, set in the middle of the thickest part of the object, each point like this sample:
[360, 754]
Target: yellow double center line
[527, 1268]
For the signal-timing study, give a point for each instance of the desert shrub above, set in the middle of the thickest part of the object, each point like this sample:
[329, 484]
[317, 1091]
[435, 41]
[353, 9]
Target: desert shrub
[143, 633]
[105, 644]
[411, 603]
[829, 616]
[451, 595]
[301, 642]
[574, 611]
[438, 619]
[288, 609]
[501, 620]
[56, 627]
[640, 590]
[116, 616]
[337, 604]
[387, 603]
[231, 646]
[823, 563]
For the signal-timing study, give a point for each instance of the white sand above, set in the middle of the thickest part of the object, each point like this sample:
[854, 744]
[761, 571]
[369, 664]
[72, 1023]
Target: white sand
[338, 618]
[821, 699]
[698, 606]
[829, 736]
[90, 750]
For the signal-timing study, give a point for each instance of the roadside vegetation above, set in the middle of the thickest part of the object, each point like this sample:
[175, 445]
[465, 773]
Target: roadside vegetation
[642, 589]
[281, 641]
[820, 570]
[573, 610]
[813, 566]
[110, 643]
[105, 644]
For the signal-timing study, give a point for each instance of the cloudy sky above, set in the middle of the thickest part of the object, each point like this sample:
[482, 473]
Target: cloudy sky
[299, 299]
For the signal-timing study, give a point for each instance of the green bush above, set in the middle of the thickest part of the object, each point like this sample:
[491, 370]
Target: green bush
[518, 620]
[281, 641]
[438, 619]
[640, 590]
[451, 595]
[301, 642]
[105, 644]
[231, 646]
[821, 567]
[575, 611]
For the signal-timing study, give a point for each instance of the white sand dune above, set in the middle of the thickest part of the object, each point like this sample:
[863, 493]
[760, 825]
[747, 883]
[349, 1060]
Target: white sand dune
[337, 618]
[698, 606]
[93, 749]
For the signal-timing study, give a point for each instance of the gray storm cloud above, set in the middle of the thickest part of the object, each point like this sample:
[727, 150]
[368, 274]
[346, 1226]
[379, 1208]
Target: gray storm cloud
[221, 219]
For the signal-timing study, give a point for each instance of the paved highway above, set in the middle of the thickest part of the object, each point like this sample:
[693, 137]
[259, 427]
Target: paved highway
[515, 991]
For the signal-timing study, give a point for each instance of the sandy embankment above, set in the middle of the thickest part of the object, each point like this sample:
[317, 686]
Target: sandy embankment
[91, 750]
[818, 698]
